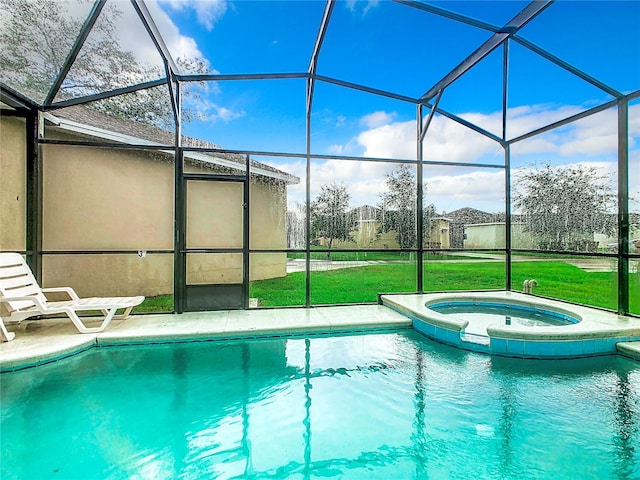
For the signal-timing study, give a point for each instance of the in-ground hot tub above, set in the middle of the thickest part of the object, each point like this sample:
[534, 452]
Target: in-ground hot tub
[482, 314]
[514, 324]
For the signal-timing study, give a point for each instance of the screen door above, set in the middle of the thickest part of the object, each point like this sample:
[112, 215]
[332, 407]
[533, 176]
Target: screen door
[215, 244]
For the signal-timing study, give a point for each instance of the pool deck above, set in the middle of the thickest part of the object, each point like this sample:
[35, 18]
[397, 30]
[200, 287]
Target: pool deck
[46, 340]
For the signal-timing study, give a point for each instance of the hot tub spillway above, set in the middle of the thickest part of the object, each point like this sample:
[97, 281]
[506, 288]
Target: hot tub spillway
[475, 338]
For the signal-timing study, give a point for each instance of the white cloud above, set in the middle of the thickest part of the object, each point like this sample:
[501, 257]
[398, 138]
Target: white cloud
[445, 141]
[377, 119]
[179, 45]
[361, 6]
[208, 12]
[591, 141]
[211, 111]
[134, 37]
[592, 136]
[478, 189]
[337, 149]
[395, 140]
[525, 119]
[366, 180]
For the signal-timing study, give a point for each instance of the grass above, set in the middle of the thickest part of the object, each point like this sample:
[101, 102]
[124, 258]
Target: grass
[374, 256]
[362, 284]
[158, 304]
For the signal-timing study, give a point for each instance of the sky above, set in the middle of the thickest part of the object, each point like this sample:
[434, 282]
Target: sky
[395, 48]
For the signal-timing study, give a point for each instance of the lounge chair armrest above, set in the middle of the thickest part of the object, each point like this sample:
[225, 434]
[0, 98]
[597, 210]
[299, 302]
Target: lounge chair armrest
[32, 299]
[68, 290]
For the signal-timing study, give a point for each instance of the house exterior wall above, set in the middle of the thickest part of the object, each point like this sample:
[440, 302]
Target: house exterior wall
[367, 235]
[267, 228]
[97, 199]
[440, 235]
[492, 235]
[487, 235]
[13, 183]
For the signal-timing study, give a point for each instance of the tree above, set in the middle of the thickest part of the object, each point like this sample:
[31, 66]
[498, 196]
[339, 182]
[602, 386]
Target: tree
[330, 217]
[565, 206]
[36, 37]
[296, 226]
[398, 207]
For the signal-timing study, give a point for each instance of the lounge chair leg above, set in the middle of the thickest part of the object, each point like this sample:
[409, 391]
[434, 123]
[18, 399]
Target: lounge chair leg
[6, 335]
[84, 329]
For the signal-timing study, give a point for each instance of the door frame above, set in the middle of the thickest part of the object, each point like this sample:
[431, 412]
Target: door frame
[199, 297]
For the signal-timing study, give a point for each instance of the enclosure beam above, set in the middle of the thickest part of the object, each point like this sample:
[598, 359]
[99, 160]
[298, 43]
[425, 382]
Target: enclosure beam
[363, 88]
[623, 207]
[511, 28]
[566, 121]
[568, 67]
[154, 33]
[450, 15]
[103, 95]
[427, 124]
[172, 86]
[15, 99]
[322, 31]
[469, 125]
[221, 77]
[75, 50]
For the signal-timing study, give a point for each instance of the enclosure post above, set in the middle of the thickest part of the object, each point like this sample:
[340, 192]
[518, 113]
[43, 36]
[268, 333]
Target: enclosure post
[246, 225]
[507, 166]
[311, 78]
[419, 206]
[623, 206]
[307, 227]
[507, 217]
[33, 234]
[179, 262]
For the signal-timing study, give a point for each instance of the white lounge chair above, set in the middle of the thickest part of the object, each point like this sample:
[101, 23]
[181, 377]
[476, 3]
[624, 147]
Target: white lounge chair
[22, 297]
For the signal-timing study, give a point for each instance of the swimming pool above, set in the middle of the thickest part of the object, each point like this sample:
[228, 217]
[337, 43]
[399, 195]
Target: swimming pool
[375, 406]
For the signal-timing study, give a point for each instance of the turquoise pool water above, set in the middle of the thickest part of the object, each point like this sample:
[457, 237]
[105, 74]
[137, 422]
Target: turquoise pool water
[379, 406]
[503, 314]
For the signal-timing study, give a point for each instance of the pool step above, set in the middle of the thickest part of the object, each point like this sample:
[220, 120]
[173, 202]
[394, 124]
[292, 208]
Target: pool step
[474, 338]
[629, 349]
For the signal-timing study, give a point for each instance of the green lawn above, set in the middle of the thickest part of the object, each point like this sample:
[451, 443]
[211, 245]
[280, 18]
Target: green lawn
[374, 256]
[356, 285]
[362, 284]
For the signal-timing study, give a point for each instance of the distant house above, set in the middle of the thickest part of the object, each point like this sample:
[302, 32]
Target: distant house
[458, 222]
[112, 199]
[367, 232]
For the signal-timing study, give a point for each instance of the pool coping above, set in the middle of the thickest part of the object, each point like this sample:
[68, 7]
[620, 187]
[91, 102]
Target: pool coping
[46, 340]
[598, 332]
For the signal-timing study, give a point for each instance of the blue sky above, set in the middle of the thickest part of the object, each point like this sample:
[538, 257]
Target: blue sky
[392, 47]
